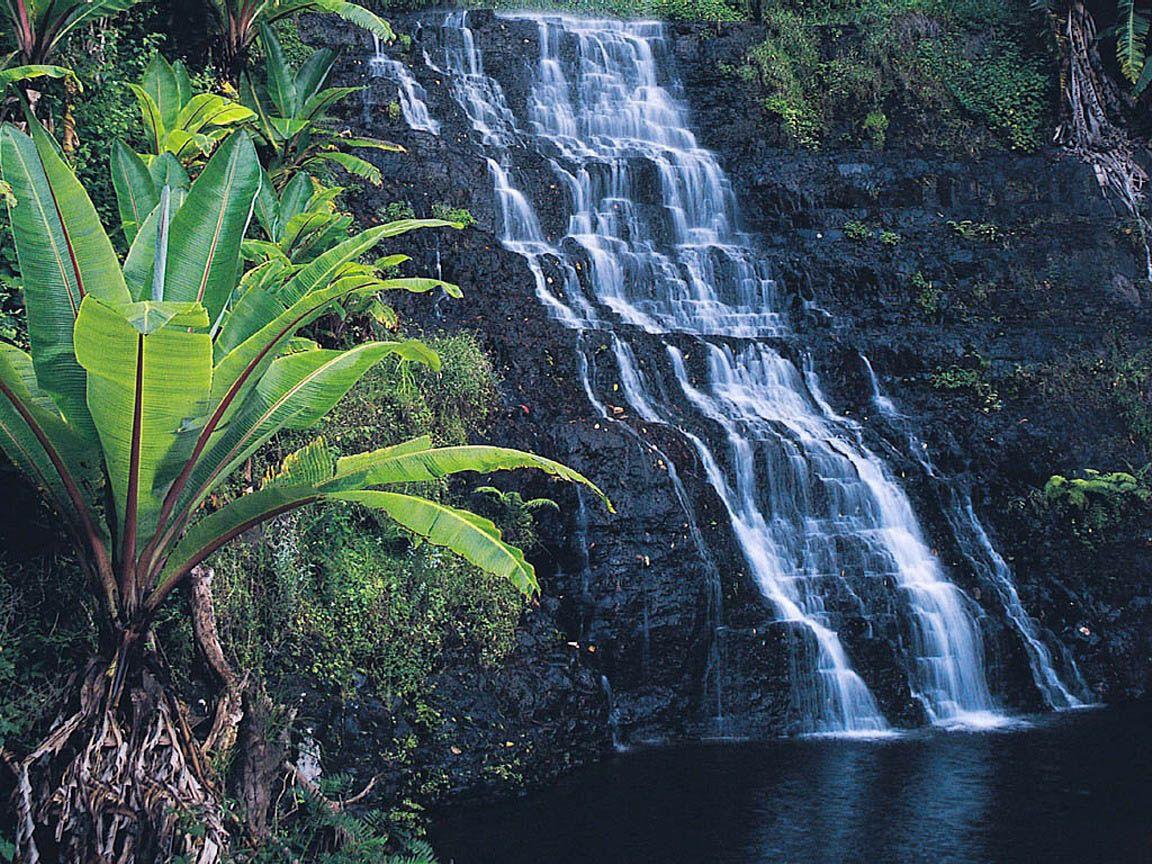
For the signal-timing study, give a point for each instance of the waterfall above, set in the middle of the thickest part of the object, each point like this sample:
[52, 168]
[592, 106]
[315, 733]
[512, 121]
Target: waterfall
[990, 566]
[413, 97]
[653, 250]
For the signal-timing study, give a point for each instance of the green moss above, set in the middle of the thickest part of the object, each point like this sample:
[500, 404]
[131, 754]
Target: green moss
[963, 75]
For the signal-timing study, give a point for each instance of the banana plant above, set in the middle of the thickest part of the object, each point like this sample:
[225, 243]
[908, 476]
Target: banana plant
[41, 26]
[299, 223]
[242, 19]
[156, 379]
[290, 113]
[149, 384]
[176, 120]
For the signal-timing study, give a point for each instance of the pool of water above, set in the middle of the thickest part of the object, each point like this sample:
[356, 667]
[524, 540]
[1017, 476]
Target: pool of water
[1075, 787]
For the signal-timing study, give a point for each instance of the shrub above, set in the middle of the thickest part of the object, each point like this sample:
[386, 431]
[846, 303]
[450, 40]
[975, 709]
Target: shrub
[965, 74]
[397, 210]
[876, 128]
[1098, 505]
[460, 215]
[857, 231]
[971, 380]
[985, 232]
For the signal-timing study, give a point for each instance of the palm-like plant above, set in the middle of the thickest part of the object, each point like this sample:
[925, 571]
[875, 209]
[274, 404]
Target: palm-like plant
[242, 19]
[177, 120]
[302, 223]
[149, 383]
[40, 26]
[299, 223]
[290, 109]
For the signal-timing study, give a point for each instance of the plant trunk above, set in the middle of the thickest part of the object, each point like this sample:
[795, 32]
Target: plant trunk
[1090, 102]
[123, 779]
[69, 140]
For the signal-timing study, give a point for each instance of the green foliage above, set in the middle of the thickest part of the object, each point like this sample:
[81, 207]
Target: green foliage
[340, 599]
[89, 421]
[929, 298]
[401, 400]
[47, 630]
[857, 231]
[669, 10]
[42, 28]
[106, 61]
[291, 104]
[179, 120]
[890, 238]
[970, 380]
[876, 128]
[1132, 27]
[13, 325]
[315, 832]
[964, 74]
[985, 232]
[338, 594]
[243, 21]
[461, 216]
[512, 512]
[1098, 505]
[996, 85]
[1131, 388]
[784, 66]
[396, 210]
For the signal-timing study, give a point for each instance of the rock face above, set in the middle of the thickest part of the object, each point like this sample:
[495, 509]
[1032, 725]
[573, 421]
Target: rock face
[994, 296]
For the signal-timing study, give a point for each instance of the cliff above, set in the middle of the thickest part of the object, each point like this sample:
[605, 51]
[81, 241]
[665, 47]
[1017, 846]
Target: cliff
[1004, 312]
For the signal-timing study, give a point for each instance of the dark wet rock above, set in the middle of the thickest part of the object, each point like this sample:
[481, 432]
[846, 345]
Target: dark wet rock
[1009, 265]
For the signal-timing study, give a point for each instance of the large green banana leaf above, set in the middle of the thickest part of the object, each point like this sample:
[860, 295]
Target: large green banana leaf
[204, 246]
[149, 378]
[136, 192]
[64, 255]
[39, 442]
[294, 392]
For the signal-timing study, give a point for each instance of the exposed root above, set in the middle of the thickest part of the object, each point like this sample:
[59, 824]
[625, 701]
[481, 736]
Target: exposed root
[123, 779]
[133, 786]
[1090, 101]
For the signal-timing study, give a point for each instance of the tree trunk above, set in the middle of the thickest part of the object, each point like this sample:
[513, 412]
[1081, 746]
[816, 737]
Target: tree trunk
[69, 141]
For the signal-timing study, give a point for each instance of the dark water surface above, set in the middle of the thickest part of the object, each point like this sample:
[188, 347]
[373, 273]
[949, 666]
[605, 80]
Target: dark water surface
[1070, 788]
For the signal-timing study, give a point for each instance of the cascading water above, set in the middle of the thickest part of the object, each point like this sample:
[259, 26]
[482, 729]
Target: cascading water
[652, 246]
[413, 97]
[981, 554]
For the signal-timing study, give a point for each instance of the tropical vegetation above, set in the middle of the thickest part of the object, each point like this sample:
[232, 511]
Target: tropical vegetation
[150, 382]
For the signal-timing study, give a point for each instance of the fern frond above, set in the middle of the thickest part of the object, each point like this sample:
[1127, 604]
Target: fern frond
[1132, 39]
